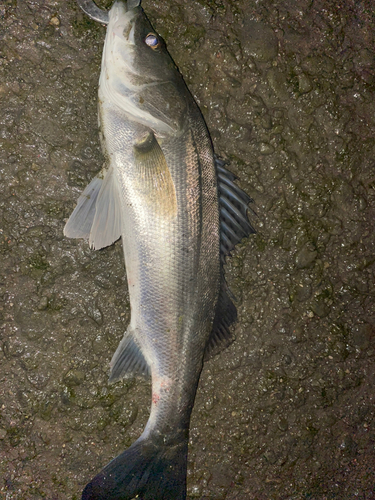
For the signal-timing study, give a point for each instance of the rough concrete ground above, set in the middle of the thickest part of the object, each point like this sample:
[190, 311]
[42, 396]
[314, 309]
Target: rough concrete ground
[287, 412]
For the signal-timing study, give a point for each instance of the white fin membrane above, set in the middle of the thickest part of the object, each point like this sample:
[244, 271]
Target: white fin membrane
[82, 217]
[97, 215]
[106, 227]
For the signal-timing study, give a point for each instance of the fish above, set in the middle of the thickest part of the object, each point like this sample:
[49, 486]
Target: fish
[179, 214]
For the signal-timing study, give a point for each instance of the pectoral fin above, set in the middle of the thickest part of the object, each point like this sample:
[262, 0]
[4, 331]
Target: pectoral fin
[154, 181]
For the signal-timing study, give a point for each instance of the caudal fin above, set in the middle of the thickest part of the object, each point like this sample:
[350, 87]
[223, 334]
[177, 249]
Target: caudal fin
[145, 470]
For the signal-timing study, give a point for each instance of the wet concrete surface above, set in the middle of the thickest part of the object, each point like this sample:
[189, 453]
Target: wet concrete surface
[287, 411]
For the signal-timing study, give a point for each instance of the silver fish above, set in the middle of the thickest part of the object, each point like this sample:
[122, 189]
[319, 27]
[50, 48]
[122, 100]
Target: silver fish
[178, 213]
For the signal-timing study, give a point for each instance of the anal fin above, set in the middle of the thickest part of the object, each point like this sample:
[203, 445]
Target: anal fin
[128, 359]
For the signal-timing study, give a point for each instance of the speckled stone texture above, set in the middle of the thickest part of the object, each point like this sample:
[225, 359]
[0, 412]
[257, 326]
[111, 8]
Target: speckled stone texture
[287, 412]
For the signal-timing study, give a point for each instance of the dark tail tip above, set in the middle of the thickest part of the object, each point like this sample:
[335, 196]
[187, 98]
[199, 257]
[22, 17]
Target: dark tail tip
[152, 472]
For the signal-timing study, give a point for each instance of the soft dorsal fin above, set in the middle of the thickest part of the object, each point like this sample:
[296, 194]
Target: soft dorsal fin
[97, 215]
[226, 314]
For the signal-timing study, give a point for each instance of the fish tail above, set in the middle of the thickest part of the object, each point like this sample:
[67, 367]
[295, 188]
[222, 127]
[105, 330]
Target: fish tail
[147, 470]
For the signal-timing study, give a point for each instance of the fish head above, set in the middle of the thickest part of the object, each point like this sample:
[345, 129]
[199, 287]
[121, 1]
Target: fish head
[138, 74]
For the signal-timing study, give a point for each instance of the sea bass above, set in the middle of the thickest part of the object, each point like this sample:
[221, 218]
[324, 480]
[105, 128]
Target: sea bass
[178, 213]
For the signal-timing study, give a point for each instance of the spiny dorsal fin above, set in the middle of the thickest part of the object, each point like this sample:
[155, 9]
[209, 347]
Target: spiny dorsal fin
[234, 207]
[234, 226]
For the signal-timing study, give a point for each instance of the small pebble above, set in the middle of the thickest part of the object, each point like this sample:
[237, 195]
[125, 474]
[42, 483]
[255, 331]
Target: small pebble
[54, 21]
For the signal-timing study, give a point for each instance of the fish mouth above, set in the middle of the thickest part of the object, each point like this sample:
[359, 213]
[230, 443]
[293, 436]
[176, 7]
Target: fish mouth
[122, 21]
[90, 8]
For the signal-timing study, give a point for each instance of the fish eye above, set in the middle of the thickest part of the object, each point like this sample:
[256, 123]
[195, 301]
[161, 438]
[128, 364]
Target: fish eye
[152, 41]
